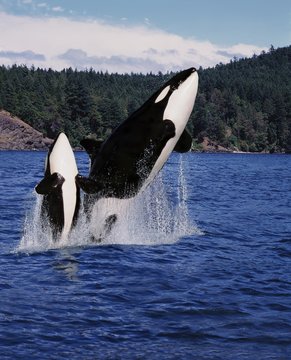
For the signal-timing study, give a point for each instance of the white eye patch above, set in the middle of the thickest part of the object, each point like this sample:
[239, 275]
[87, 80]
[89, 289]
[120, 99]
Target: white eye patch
[163, 94]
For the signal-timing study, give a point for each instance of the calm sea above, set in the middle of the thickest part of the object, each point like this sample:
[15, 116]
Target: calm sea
[200, 269]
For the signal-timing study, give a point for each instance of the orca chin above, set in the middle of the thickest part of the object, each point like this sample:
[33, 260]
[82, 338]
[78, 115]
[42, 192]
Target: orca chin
[137, 149]
[61, 195]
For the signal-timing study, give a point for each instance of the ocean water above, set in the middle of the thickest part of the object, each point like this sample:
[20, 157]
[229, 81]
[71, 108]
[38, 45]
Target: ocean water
[198, 268]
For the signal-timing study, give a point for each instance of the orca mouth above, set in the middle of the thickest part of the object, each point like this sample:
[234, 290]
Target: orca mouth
[60, 134]
[179, 78]
[172, 85]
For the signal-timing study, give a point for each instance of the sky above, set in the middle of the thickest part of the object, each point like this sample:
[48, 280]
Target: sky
[127, 36]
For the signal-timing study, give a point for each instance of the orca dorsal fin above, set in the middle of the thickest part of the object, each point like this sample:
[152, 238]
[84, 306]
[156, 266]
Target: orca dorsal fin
[49, 183]
[184, 143]
[91, 146]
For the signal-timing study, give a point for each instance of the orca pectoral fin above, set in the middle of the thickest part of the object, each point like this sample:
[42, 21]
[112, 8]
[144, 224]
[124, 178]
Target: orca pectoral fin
[92, 146]
[109, 222]
[169, 130]
[49, 183]
[88, 185]
[184, 143]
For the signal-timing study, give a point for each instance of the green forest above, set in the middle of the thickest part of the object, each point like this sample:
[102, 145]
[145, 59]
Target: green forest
[243, 105]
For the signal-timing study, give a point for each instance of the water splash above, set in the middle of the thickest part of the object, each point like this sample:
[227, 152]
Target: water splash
[37, 235]
[150, 218]
[183, 223]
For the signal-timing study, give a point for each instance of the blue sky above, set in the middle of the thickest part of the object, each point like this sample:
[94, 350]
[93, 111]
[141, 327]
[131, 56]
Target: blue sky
[139, 36]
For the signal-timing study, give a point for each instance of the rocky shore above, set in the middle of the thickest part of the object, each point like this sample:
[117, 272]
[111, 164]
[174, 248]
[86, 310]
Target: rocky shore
[15, 134]
[208, 145]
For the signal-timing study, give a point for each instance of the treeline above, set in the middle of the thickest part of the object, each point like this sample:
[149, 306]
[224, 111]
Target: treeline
[245, 104]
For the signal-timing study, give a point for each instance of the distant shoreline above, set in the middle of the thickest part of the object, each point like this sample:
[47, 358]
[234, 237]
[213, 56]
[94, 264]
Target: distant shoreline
[192, 151]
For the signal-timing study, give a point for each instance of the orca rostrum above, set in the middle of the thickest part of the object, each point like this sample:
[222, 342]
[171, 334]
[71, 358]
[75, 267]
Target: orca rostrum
[61, 195]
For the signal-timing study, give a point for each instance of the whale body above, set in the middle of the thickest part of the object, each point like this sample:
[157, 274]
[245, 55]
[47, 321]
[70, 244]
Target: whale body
[61, 195]
[138, 148]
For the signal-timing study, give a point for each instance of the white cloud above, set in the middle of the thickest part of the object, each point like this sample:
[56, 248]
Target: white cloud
[23, 55]
[127, 63]
[42, 5]
[147, 21]
[57, 9]
[60, 42]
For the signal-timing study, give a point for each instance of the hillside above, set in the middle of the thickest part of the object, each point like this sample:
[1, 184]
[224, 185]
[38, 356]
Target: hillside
[15, 134]
[244, 105]
[247, 103]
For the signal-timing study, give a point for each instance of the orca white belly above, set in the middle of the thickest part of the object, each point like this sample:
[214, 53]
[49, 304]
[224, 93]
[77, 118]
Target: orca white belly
[62, 161]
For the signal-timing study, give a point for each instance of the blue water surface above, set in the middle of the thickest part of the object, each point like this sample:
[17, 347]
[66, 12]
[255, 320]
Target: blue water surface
[221, 293]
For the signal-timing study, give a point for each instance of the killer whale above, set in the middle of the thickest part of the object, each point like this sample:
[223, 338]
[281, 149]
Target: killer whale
[61, 200]
[137, 149]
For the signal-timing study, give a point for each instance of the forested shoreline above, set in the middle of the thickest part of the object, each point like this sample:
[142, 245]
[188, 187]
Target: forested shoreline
[244, 105]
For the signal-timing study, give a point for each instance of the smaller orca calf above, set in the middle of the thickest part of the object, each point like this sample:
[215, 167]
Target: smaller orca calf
[61, 201]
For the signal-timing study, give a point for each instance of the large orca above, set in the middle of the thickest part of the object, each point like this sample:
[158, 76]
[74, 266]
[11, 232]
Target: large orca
[61, 201]
[137, 149]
